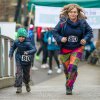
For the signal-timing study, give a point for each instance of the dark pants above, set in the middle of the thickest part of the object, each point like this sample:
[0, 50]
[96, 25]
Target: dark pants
[87, 54]
[39, 51]
[32, 64]
[93, 60]
[45, 52]
[45, 55]
[22, 74]
[53, 53]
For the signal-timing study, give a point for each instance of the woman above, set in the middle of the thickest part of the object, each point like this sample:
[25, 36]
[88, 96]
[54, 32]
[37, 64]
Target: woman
[72, 33]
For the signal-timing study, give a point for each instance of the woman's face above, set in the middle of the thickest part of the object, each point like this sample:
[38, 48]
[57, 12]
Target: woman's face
[21, 39]
[73, 14]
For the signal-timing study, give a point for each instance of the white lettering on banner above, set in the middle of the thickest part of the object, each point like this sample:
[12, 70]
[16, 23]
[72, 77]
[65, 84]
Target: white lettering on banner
[49, 16]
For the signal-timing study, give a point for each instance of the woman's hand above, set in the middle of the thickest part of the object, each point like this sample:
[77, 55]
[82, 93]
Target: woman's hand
[83, 42]
[64, 39]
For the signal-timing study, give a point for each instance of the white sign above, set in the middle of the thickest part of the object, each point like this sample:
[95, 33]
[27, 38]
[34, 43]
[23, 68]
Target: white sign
[46, 16]
[93, 15]
[8, 29]
[49, 16]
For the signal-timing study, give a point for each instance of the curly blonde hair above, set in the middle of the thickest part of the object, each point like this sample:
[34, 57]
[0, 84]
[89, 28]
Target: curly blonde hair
[67, 8]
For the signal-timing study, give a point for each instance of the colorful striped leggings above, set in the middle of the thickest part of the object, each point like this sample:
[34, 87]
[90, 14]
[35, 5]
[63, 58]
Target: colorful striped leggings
[70, 62]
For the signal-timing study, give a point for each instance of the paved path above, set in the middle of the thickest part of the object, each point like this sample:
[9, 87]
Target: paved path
[87, 87]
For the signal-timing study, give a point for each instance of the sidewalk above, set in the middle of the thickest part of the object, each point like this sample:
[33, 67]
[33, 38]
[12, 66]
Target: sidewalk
[87, 87]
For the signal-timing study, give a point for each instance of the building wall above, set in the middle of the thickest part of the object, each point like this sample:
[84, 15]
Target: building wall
[8, 8]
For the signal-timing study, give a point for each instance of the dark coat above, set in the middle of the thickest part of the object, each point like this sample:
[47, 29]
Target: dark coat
[66, 28]
[22, 47]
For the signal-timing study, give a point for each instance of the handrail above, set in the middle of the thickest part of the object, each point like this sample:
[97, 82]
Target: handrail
[2, 36]
[6, 65]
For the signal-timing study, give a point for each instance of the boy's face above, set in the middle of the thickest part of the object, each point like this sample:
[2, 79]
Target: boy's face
[21, 39]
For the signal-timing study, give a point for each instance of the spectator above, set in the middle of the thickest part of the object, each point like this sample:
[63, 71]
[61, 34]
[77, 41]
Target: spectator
[31, 37]
[53, 50]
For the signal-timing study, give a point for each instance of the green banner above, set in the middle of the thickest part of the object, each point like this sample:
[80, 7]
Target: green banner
[61, 3]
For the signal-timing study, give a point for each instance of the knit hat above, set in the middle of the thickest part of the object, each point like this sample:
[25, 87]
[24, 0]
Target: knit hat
[31, 27]
[22, 32]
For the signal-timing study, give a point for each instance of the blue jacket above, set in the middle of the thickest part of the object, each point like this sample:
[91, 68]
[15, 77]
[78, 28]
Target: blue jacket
[22, 47]
[31, 36]
[73, 31]
[51, 42]
[90, 46]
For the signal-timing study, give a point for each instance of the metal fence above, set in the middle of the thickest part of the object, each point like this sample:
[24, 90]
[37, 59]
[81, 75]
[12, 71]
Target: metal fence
[7, 66]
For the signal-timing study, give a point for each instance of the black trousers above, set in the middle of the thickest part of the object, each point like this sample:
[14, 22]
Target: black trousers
[39, 51]
[53, 53]
[45, 55]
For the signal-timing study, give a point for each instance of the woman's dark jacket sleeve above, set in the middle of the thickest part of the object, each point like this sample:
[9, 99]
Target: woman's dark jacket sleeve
[57, 30]
[87, 31]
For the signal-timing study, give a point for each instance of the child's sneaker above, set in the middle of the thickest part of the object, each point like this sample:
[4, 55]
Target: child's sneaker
[49, 72]
[37, 57]
[59, 70]
[28, 89]
[34, 68]
[19, 90]
[46, 65]
[43, 66]
[61, 66]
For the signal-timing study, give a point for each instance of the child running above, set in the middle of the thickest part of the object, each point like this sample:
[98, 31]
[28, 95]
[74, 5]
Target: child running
[24, 51]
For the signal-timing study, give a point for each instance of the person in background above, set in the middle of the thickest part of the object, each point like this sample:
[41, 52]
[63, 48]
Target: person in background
[17, 27]
[23, 56]
[43, 49]
[71, 33]
[39, 39]
[38, 31]
[53, 50]
[28, 20]
[31, 37]
[89, 48]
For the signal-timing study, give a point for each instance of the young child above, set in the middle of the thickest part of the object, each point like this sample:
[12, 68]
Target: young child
[31, 37]
[53, 51]
[43, 48]
[24, 51]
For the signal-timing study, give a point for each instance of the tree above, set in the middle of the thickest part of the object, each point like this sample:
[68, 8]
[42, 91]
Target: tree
[18, 10]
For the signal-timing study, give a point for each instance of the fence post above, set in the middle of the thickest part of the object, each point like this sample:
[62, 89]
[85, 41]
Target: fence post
[0, 58]
[6, 57]
[11, 64]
